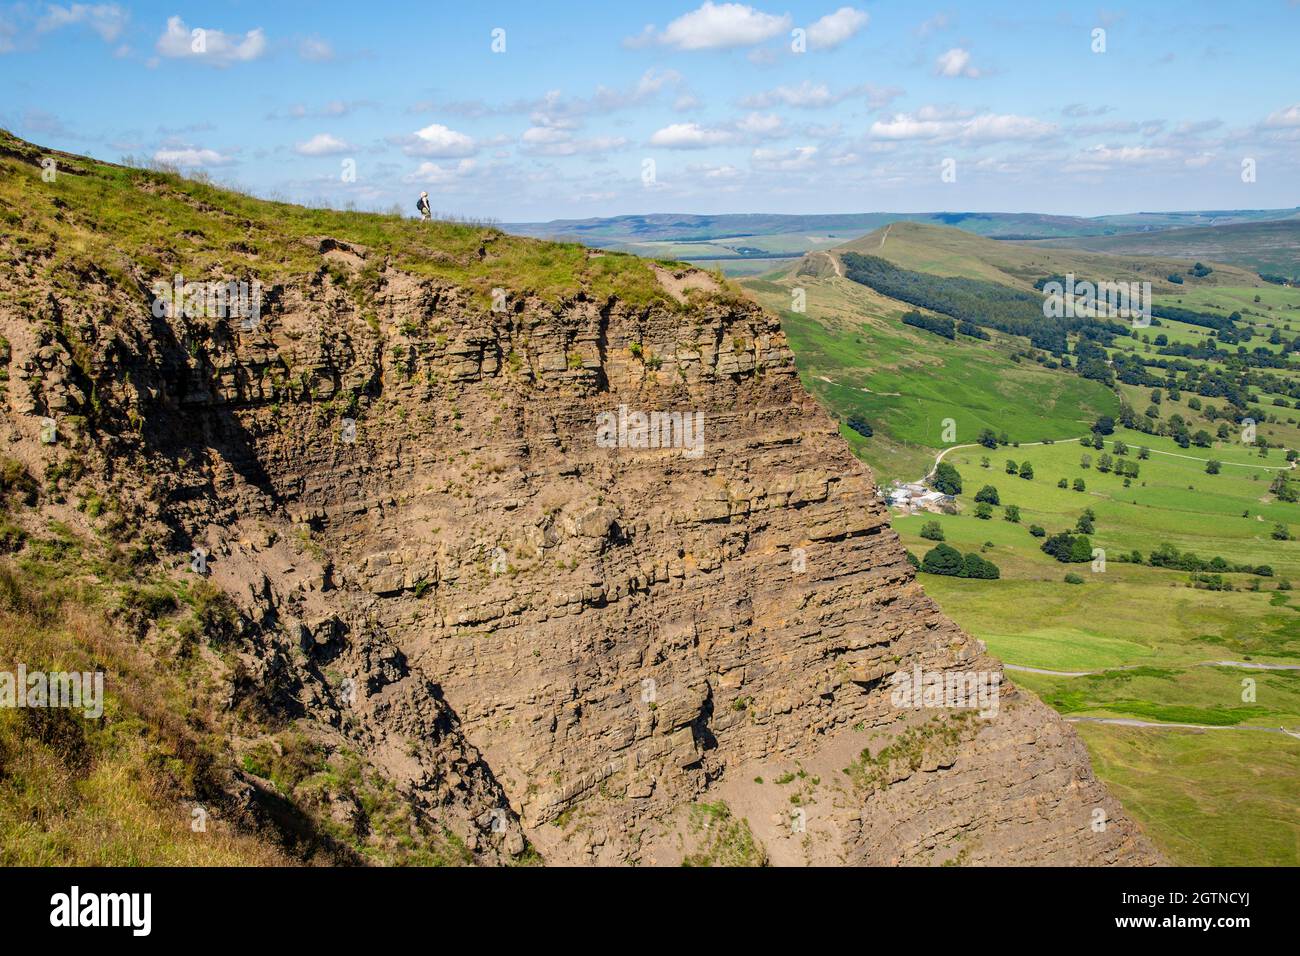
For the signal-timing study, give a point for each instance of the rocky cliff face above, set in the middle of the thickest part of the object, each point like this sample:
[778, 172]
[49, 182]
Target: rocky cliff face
[537, 631]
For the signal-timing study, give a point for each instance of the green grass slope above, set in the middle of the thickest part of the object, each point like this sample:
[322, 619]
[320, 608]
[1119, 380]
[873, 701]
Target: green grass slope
[154, 223]
[953, 252]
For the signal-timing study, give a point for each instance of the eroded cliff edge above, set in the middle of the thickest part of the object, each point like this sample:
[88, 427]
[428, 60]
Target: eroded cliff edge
[535, 638]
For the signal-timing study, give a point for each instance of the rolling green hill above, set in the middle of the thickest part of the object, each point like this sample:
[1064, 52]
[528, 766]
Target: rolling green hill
[953, 252]
[1270, 247]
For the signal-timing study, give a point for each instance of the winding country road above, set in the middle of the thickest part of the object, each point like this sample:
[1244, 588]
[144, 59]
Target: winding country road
[836, 265]
[1128, 667]
[1157, 725]
[1128, 722]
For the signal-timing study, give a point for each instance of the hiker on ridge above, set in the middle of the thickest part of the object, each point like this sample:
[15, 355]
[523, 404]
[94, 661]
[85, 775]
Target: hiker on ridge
[423, 206]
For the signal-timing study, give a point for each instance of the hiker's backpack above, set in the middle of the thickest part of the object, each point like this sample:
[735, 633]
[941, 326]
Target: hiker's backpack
[419, 205]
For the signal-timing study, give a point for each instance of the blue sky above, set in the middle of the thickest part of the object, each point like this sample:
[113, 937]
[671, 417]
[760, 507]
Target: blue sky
[596, 109]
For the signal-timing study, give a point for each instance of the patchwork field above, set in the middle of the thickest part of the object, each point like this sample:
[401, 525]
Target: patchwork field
[1151, 639]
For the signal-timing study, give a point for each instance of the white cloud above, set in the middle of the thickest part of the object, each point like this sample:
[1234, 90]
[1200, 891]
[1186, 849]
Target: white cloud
[209, 46]
[1102, 158]
[323, 144]
[1125, 154]
[834, 28]
[810, 95]
[807, 94]
[716, 26]
[690, 136]
[955, 62]
[558, 140]
[108, 20]
[440, 142]
[716, 173]
[762, 125]
[932, 123]
[189, 156]
[316, 50]
[1284, 118]
[784, 160]
[432, 174]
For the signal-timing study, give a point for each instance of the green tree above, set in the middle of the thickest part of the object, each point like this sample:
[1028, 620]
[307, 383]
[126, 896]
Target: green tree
[1283, 489]
[988, 493]
[1012, 513]
[947, 479]
[1026, 470]
[973, 566]
[932, 531]
[984, 511]
[942, 559]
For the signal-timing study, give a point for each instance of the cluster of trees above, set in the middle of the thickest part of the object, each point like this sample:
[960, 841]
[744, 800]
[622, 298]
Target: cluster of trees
[1124, 467]
[1168, 556]
[983, 304]
[931, 323]
[991, 440]
[1092, 361]
[1206, 320]
[946, 560]
[1069, 548]
[1211, 582]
